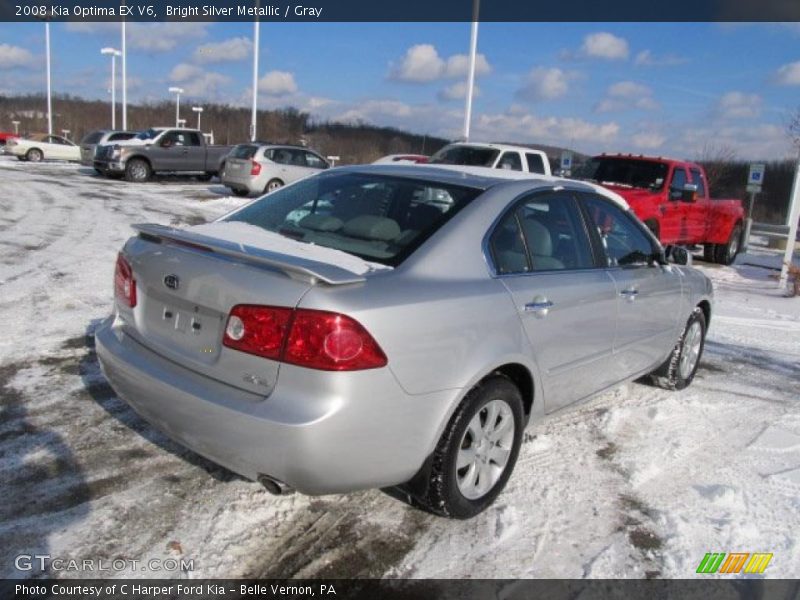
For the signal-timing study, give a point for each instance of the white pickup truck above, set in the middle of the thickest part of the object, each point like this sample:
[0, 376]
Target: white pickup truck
[493, 156]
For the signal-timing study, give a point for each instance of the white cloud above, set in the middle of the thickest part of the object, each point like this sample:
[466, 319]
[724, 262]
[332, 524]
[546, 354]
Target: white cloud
[458, 66]
[423, 64]
[738, 105]
[199, 82]
[557, 130]
[788, 74]
[626, 95]
[750, 142]
[605, 45]
[14, 56]
[372, 110]
[648, 140]
[420, 64]
[545, 84]
[277, 83]
[231, 50]
[457, 91]
[645, 58]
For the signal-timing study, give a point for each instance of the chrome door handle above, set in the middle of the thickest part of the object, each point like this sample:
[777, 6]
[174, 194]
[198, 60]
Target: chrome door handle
[629, 294]
[539, 307]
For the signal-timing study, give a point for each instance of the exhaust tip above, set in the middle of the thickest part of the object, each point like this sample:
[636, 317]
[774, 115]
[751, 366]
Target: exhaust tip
[274, 487]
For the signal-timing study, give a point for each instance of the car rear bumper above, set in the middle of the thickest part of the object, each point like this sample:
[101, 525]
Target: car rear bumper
[318, 432]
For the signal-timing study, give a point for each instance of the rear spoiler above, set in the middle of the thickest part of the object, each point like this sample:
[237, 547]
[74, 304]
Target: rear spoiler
[312, 269]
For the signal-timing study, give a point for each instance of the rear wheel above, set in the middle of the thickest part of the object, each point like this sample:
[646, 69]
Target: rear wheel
[138, 170]
[272, 185]
[477, 451]
[205, 177]
[239, 192]
[725, 254]
[34, 155]
[709, 252]
[679, 369]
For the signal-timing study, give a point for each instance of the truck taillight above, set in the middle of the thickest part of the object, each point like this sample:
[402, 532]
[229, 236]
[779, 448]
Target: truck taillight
[255, 168]
[124, 283]
[308, 338]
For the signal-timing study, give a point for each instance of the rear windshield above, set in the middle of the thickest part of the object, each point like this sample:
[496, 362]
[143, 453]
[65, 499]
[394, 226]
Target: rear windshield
[378, 218]
[93, 137]
[246, 151]
[646, 174]
[124, 135]
[472, 156]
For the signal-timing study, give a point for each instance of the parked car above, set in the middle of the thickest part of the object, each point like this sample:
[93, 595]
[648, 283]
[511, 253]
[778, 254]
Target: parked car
[42, 146]
[493, 156]
[402, 158]
[5, 136]
[102, 136]
[402, 334]
[260, 168]
[161, 149]
[673, 200]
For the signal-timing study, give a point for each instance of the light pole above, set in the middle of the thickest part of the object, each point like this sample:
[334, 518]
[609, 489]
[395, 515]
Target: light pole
[181, 122]
[49, 97]
[66, 133]
[124, 80]
[199, 111]
[177, 91]
[473, 47]
[16, 127]
[114, 54]
[256, 34]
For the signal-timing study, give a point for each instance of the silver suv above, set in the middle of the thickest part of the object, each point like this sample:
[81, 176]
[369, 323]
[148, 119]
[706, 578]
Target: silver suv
[96, 138]
[259, 168]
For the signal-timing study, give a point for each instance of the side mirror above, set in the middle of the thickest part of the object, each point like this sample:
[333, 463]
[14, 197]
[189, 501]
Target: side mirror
[678, 255]
[689, 192]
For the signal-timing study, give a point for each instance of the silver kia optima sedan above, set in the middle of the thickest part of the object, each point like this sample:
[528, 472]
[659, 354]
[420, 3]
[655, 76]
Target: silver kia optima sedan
[395, 326]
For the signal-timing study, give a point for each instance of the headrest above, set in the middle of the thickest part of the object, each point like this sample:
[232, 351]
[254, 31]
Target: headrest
[320, 222]
[368, 227]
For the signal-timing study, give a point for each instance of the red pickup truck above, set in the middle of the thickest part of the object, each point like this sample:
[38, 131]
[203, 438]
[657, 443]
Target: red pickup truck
[671, 197]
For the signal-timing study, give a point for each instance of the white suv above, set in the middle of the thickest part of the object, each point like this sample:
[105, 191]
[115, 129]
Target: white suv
[493, 156]
[259, 168]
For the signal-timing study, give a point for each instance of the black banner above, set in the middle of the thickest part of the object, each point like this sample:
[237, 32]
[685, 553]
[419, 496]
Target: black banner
[400, 589]
[403, 11]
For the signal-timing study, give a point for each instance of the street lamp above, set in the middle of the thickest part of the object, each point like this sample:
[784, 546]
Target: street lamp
[254, 114]
[49, 95]
[114, 54]
[199, 111]
[16, 127]
[177, 91]
[473, 47]
[66, 133]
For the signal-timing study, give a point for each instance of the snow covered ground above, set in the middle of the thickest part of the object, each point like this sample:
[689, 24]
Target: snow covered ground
[637, 482]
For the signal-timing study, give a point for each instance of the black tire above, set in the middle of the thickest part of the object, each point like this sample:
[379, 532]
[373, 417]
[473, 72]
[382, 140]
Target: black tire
[443, 496]
[272, 185]
[21, 158]
[137, 170]
[205, 177]
[709, 252]
[239, 192]
[669, 375]
[34, 155]
[99, 171]
[725, 254]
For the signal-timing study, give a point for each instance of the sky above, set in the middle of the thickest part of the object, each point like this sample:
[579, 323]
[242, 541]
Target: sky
[682, 90]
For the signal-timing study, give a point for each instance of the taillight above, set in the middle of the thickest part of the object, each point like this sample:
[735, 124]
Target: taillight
[259, 330]
[308, 338]
[255, 168]
[124, 283]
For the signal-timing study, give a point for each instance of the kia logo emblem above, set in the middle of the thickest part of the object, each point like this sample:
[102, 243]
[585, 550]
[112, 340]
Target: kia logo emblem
[172, 282]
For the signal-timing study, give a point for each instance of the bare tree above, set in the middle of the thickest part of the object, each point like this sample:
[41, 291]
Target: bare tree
[719, 160]
[793, 128]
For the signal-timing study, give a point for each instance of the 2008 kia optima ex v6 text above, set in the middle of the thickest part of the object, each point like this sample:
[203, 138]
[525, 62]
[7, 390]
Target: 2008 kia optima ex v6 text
[395, 326]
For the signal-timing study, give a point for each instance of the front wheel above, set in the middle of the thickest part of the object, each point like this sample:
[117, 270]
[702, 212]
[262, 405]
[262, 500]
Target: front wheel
[679, 369]
[137, 170]
[725, 254]
[477, 451]
[34, 155]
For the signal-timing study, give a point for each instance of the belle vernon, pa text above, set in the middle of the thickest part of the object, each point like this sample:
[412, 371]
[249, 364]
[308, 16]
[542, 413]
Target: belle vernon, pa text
[135, 589]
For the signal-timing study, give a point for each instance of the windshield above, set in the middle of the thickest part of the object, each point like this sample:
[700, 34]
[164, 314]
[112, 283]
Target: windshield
[93, 137]
[472, 156]
[629, 172]
[377, 218]
[149, 134]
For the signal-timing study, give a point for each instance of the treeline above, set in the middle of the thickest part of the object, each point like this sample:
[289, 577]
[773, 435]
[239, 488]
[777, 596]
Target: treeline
[353, 143]
[729, 180]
